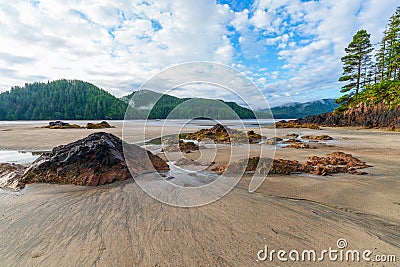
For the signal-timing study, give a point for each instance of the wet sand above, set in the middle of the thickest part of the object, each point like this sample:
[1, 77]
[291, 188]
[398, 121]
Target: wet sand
[119, 225]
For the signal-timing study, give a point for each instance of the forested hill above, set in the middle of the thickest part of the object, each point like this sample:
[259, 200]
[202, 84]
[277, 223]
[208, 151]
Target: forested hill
[168, 106]
[302, 110]
[61, 99]
[79, 100]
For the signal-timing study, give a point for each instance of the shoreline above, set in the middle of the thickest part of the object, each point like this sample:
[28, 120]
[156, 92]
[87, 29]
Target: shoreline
[47, 224]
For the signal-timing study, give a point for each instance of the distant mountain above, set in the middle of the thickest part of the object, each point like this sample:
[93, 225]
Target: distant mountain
[61, 99]
[183, 108]
[302, 110]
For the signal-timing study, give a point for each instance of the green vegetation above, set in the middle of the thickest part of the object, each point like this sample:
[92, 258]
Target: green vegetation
[302, 110]
[78, 100]
[62, 99]
[368, 81]
[387, 92]
[182, 108]
[356, 60]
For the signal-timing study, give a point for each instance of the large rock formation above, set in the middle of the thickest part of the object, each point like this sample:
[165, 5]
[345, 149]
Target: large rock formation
[379, 115]
[95, 160]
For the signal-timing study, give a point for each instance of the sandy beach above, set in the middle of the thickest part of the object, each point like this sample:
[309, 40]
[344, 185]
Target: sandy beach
[120, 225]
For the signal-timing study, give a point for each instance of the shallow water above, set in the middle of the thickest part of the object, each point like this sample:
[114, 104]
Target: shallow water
[19, 157]
[190, 175]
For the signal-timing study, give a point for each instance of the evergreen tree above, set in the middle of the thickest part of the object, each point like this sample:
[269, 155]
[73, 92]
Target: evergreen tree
[62, 99]
[388, 56]
[356, 65]
[393, 47]
[74, 100]
[381, 58]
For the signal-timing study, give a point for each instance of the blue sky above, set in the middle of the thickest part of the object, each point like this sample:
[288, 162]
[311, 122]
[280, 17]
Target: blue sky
[290, 48]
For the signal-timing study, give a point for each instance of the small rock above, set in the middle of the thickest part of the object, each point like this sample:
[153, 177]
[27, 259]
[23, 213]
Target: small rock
[61, 125]
[300, 146]
[317, 137]
[273, 140]
[293, 135]
[100, 125]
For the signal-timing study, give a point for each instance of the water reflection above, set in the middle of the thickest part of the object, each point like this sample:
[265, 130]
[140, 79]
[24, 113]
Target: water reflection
[19, 157]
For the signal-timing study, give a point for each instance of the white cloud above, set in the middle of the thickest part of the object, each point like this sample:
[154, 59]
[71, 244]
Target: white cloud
[114, 44]
[323, 30]
[240, 20]
[290, 47]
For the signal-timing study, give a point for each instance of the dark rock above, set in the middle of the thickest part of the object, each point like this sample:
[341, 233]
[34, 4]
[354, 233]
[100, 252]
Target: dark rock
[100, 125]
[218, 129]
[253, 137]
[293, 135]
[61, 125]
[171, 145]
[58, 123]
[187, 146]
[95, 160]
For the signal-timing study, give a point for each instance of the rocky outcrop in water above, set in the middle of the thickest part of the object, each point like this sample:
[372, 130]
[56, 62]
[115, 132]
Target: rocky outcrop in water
[369, 116]
[95, 160]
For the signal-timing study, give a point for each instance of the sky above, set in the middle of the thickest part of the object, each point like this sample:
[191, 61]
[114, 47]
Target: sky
[290, 49]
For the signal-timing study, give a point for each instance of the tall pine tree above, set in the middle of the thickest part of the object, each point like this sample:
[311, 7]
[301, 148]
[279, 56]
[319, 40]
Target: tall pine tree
[388, 56]
[393, 46]
[355, 63]
[381, 58]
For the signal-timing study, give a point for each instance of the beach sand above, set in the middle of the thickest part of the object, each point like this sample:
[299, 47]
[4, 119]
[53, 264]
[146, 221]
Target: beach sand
[120, 225]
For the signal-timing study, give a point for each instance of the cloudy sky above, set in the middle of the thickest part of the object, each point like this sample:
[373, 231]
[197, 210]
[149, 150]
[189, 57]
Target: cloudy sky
[290, 48]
